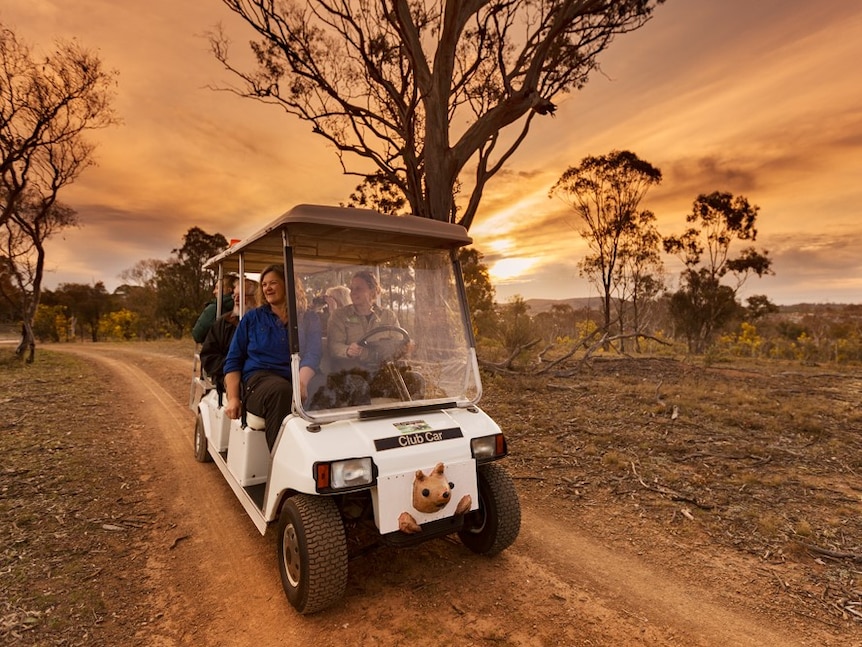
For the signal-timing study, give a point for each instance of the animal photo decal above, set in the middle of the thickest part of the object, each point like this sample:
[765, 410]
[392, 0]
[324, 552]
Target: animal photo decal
[432, 492]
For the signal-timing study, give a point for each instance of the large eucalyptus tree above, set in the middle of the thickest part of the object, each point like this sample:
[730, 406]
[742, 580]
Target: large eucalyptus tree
[426, 92]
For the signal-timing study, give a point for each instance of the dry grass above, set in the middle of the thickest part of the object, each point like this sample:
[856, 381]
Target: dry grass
[70, 513]
[766, 459]
[763, 460]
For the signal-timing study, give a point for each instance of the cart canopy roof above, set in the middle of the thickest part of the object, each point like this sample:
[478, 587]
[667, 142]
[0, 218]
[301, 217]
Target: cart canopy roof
[343, 234]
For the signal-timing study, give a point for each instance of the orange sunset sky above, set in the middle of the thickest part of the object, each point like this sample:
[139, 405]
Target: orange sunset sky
[762, 99]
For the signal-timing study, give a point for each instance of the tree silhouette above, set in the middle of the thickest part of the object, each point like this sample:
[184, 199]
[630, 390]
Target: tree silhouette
[183, 287]
[84, 304]
[703, 304]
[604, 192]
[377, 192]
[480, 291]
[424, 90]
[46, 107]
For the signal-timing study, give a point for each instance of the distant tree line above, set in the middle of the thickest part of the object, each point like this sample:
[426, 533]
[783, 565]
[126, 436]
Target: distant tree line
[162, 299]
[809, 333]
[703, 315]
[159, 299]
[624, 259]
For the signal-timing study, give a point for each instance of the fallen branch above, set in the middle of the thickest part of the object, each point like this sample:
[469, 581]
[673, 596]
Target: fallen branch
[575, 348]
[852, 611]
[544, 351]
[573, 482]
[831, 553]
[673, 495]
[605, 339]
[653, 488]
[505, 367]
[759, 460]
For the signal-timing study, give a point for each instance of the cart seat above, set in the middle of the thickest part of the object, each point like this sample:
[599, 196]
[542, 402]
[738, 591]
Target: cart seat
[255, 422]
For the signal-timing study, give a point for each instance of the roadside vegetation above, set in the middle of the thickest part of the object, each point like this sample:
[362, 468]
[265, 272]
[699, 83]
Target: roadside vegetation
[76, 520]
[752, 462]
[762, 458]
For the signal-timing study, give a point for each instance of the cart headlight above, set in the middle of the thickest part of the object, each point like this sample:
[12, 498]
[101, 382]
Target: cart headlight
[344, 475]
[488, 448]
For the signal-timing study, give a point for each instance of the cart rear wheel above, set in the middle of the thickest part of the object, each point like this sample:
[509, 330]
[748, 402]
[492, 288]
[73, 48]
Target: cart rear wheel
[312, 552]
[202, 454]
[496, 524]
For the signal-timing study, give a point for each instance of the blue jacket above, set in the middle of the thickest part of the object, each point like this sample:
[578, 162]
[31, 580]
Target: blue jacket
[261, 343]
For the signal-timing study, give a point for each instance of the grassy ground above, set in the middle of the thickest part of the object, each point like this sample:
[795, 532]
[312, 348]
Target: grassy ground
[73, 538]
[764, 459]
[758, 460]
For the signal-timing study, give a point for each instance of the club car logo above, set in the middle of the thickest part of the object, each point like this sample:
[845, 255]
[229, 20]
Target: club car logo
[416, 432]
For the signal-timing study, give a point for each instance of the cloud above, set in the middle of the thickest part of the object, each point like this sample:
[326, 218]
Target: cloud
[756, 98]
[108, 241]
[818, 268]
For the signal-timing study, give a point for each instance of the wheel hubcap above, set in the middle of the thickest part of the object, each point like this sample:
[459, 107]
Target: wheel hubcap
[290, 555]
[478, 518]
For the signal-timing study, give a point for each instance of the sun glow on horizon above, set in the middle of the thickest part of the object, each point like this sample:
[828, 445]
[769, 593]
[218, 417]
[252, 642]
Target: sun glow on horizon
[507, 269]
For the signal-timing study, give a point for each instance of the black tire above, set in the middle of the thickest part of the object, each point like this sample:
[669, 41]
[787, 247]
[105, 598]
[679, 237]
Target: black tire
[202, 454]
[312, 552]
[495, 525]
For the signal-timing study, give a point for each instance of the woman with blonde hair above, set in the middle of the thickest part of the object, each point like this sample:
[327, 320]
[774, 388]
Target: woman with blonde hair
[337, 297]
[259, 355]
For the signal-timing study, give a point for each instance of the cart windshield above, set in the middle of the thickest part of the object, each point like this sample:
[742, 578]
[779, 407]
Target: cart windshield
[395, 334]
[396, 331]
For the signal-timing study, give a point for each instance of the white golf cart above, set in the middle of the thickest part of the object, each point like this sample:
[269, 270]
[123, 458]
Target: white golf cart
[400, 466]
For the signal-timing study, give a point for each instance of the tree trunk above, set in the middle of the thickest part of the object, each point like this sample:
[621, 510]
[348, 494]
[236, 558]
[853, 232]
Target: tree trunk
[28, 341]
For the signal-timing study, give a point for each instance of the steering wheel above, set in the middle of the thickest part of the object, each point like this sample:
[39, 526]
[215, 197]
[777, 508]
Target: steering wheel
[386, 349]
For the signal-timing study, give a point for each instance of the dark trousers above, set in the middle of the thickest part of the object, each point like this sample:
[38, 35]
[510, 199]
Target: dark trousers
[269, 396]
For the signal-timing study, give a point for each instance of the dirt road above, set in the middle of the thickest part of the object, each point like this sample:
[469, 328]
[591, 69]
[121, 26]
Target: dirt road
[214, 578]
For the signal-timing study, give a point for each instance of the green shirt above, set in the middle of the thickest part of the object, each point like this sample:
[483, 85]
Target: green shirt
[346, 326]
[208, 316]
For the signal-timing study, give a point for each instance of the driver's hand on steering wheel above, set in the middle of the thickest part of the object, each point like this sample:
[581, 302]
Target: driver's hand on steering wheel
[354, 350]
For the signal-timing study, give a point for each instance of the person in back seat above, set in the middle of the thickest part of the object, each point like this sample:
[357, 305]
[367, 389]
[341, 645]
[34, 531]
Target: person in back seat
[337, 297]
[259, 355]
[208, 316]
[217, 343]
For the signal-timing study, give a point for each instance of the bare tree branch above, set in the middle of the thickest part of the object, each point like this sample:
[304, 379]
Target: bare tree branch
[46, 108]
[423, 90]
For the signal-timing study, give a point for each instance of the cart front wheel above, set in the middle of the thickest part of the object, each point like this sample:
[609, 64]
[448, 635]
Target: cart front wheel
[312, 552]
[496, 524]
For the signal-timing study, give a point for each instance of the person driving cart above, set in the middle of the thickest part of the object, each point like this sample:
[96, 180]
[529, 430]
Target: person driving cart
[259, 355]
[350, 329]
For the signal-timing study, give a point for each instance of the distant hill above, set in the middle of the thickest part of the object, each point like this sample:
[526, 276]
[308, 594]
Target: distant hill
[595, 303]
[576, 303]
[820, 307]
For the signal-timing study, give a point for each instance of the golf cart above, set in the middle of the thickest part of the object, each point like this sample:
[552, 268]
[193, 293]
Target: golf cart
[398, 466]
